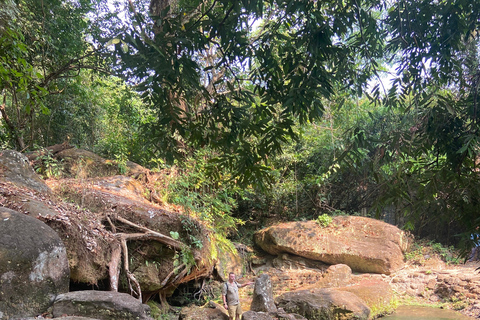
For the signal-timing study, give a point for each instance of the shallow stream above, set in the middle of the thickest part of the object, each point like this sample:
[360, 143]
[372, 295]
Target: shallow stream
[424, 313]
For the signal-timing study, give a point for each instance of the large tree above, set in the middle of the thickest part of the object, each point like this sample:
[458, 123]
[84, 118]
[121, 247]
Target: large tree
[235, 75]
[238, 75]
[428, 164]
[43, 44]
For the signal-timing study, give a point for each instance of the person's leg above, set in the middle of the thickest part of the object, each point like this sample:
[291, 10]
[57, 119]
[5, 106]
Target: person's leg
[238, 313]
[231, 312]
[473, 254]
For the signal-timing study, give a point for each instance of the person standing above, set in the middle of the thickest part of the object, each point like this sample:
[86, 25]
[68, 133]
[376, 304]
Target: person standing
[231, 300]
[475, 254]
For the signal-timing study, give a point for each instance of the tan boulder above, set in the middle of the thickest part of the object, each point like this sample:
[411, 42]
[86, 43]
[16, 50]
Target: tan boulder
[378, 296]
[364, 244]
[336, 276]
[323, 304]
[199, 313]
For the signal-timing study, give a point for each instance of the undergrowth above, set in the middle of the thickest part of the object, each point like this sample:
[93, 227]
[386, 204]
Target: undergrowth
[422, 250]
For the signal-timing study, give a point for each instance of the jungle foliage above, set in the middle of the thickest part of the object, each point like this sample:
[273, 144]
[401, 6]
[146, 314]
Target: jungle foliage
[276, 108]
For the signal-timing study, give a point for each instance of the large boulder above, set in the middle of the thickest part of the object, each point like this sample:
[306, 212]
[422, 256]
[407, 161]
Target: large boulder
[323, 304]
[64, 318]
[87, 241]
[199, 313]
[377, 294]
[148, 229]
[15, 168]
[103, 305]
[33, 265]
[337, 275]
[364, 244]
[79, 163]
[263, 295]
[256, 315]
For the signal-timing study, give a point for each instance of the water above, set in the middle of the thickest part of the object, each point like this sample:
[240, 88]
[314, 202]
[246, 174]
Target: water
[424, 313]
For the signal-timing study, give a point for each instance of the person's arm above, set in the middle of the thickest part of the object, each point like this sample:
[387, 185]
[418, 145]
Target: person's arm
[225, 301]
[245, 284]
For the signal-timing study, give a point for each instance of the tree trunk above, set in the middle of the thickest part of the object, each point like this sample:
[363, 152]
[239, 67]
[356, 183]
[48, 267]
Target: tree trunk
[10, 126]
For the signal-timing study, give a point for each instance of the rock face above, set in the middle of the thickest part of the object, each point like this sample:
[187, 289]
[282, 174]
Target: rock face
[323, 304]
[232, 262]
[263, 295]
[33, 265]
[103, 305]
[15, 168]
[364, 244]
[253, 315]
[336, 276]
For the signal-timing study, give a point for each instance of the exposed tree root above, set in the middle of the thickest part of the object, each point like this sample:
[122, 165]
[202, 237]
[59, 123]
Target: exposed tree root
[113, 266]
[119, 248]
[130, 276]
[167, 278]
[204, 291]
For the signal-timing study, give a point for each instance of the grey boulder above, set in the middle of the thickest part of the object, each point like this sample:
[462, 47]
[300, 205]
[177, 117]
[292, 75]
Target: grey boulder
[33, 265]
[15, 168]
[103, 305]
